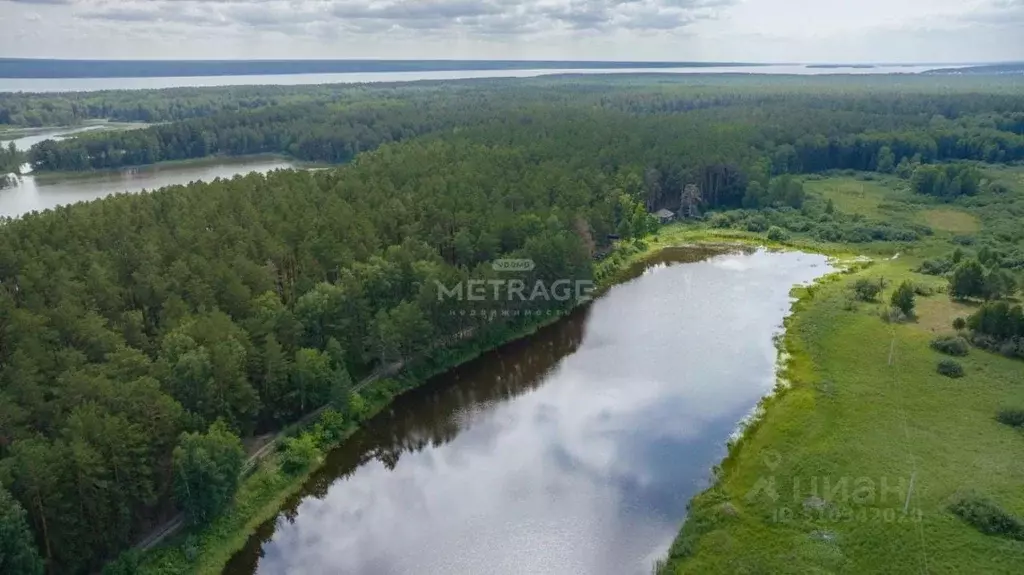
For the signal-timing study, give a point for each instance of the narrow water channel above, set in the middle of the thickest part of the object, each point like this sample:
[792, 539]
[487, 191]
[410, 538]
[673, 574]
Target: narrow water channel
[31, 193]
[574, 451]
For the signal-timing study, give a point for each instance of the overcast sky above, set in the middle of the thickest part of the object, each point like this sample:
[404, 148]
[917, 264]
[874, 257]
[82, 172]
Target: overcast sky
[734, 30]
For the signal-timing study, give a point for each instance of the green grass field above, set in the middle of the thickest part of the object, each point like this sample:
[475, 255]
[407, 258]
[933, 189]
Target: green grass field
[853, 196]
[820, 484]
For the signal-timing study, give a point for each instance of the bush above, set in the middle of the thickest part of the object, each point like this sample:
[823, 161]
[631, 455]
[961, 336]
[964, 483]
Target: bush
[719, 221]
[1012, 347]
[959, 324]
[892, 315]
[331, 428]
[987, 517]
[925, 291]
[950, 368]
[935, 267]
[866, 289]
[951, 345]
[828, 233]
[299, 453]
[356, 410]
[1011, 417]
[903, 298]
[998, 188]
[757, 224]
[777, 234]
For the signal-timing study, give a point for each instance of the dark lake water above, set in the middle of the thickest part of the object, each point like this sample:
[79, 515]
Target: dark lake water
[574, 451]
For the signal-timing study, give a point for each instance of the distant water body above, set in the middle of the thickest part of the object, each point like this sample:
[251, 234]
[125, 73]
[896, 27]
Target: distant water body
[94, 84]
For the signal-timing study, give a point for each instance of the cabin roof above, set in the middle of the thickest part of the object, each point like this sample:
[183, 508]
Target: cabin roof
[663, 213]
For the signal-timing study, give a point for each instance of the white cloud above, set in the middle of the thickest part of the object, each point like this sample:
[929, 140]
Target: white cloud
[749, 30]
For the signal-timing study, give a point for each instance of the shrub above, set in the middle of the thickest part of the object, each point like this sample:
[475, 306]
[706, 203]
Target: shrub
[951, 345]
[1011, 417]
[299, 453]
[892, 315]
[903, 298]
[950, 368]
[959, 324]
[866, 289]
[935, 267]
[777, 234]
[968, 280]
[989, 343]
[356, 409]
[1012, 347]
[828, 233]
[757, 224]
[987, 517]
[998, 188]
[331, 428]
[925, 291]
[719, 221]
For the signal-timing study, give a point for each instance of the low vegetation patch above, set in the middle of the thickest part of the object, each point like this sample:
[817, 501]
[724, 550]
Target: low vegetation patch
[951, 221]
[999, 327]
[987, 517]
[1011, 417]
[867, 289]
[954, 345]
[951, 368]
[777, 234]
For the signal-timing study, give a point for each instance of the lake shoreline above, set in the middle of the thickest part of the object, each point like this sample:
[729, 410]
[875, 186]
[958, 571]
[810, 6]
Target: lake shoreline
[9, 132]
[72, 176]
[793, 369]
[39, 192]
[220, 545]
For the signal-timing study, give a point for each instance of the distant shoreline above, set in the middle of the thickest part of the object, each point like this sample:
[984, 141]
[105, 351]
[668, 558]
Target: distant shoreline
[49, 177]
[32, 68]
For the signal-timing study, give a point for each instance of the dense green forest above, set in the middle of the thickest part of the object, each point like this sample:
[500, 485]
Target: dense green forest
[800, 131]
[140, 332]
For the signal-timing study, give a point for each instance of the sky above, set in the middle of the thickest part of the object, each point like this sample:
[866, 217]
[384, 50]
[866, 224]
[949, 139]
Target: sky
[782, 31]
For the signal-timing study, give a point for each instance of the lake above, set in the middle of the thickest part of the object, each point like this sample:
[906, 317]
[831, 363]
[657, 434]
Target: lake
[572, 451]
[34, 136]
[30, 193]
[93, 84]
[33, 194]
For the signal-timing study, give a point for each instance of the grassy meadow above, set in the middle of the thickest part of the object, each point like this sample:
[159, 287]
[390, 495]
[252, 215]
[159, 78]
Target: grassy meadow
[820, 483]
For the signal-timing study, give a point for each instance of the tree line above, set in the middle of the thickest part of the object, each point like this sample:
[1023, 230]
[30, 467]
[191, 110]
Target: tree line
[654, 94]
[801, 130]
[128, 321]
